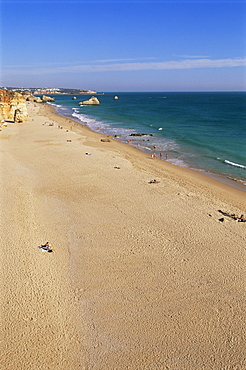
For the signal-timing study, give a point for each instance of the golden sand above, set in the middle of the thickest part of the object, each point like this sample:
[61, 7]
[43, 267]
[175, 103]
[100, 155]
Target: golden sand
[143, 276]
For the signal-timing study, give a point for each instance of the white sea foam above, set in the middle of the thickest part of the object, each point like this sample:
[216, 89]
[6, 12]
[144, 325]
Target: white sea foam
[104, 127]
[234, 164]
[177, 162]
[146, 147]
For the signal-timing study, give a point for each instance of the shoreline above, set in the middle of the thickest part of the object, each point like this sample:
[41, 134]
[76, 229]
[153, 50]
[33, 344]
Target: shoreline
[222, 179]
[143, 275]
[234, 183]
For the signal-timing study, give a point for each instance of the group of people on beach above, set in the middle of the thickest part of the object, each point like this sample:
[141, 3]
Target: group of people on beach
[153, 155]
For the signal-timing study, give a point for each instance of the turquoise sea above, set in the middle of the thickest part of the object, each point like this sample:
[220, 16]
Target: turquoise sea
[203, 131]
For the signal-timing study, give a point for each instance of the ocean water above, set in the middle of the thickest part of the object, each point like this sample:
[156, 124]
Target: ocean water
[203, 131]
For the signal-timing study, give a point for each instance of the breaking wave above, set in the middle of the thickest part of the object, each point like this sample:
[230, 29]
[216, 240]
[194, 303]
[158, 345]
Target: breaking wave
[226, 161]
[235, 164]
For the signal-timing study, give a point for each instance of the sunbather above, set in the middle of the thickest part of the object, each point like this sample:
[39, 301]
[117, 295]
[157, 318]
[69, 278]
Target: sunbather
[241, 219]
[46, 247]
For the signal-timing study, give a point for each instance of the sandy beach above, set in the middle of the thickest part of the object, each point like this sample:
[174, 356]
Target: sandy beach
[143, 275]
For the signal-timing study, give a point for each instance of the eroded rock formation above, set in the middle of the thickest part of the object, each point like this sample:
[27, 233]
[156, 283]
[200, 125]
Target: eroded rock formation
[12, 106]
[37, 99]
[46, 98]
[92, 101]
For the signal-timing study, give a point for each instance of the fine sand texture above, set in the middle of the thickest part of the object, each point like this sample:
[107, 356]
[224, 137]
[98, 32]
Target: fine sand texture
[143, 275]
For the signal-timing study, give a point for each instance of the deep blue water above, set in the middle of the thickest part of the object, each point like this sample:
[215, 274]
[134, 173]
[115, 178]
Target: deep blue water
[202, 131]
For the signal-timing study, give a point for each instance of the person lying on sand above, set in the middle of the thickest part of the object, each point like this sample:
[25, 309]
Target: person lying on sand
[241, 219]
[154, 182]
[46, 247]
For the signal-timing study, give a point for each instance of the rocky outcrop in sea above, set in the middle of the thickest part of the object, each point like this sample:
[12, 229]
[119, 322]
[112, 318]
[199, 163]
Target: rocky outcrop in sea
[92, 101]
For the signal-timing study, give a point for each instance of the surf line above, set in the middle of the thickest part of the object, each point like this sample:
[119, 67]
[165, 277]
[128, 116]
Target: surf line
[234, 164]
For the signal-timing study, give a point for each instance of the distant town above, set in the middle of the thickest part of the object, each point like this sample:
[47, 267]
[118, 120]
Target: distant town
[50, 91]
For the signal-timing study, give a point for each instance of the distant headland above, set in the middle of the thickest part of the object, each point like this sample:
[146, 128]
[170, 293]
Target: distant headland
[13, 100]
[52, 91]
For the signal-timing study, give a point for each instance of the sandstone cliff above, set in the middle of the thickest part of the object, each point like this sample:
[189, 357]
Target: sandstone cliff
[12, 106]
[92, 101]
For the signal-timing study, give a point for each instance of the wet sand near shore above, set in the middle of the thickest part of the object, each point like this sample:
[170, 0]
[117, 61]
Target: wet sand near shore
[143, 276]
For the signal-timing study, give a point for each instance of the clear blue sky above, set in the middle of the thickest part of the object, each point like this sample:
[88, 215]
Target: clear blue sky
[124, 45]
